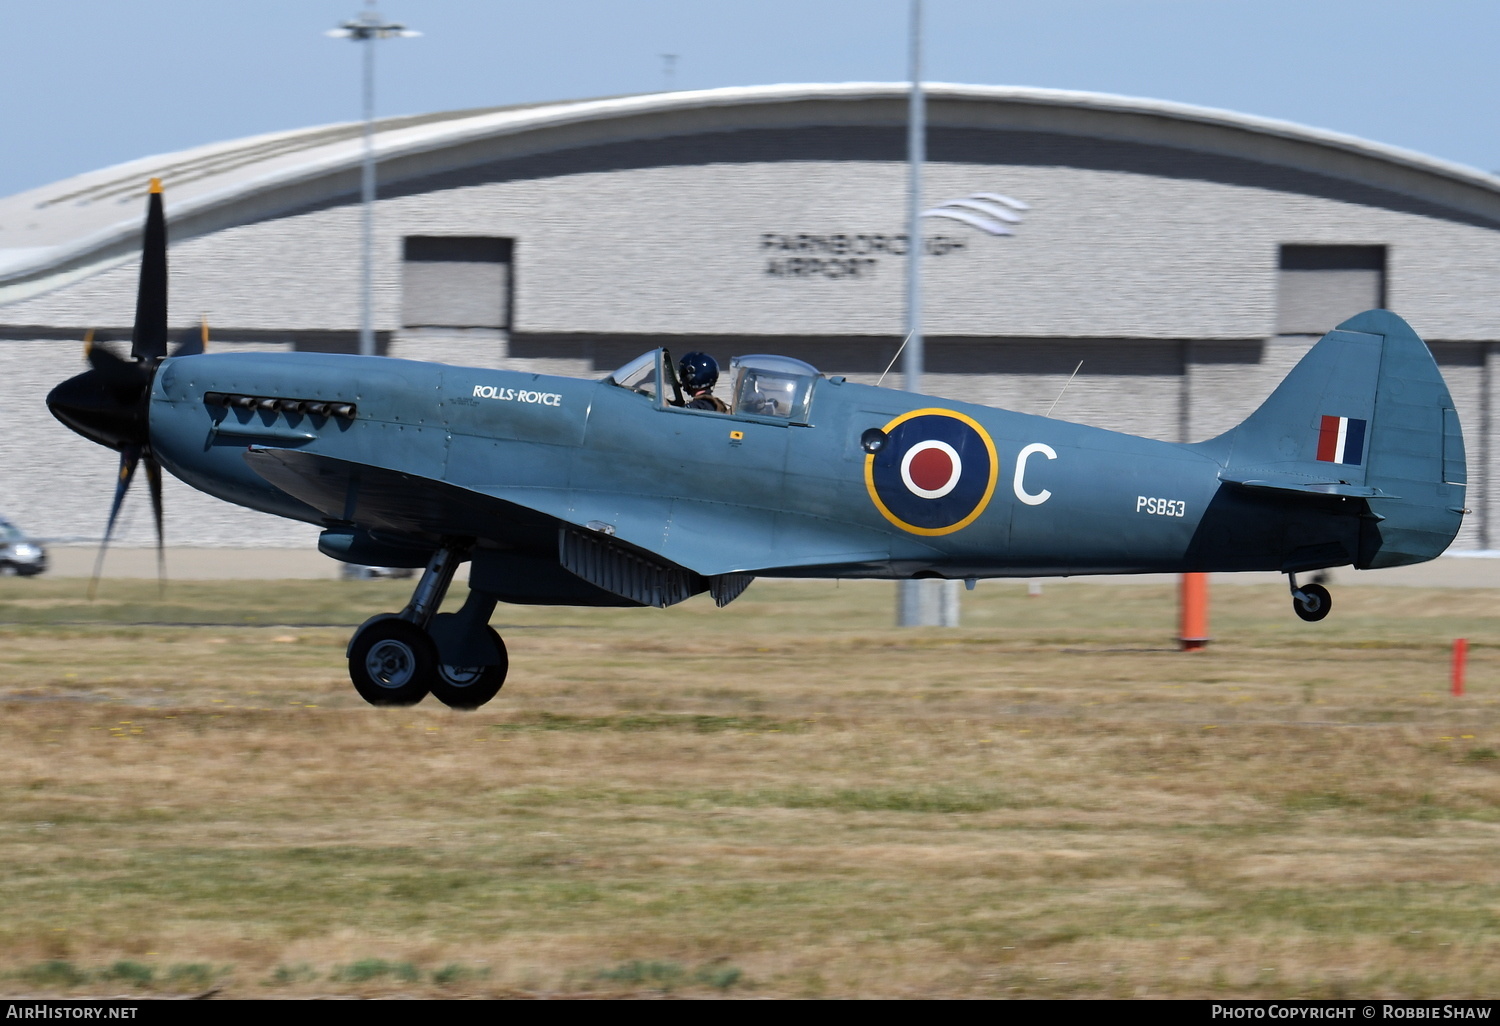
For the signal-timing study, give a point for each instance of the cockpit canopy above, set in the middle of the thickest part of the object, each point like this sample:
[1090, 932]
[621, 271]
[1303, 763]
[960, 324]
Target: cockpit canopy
[774, 387]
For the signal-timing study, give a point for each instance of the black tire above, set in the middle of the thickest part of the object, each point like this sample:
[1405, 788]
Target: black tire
[469, 687]
[392, 662]
[1314, 603]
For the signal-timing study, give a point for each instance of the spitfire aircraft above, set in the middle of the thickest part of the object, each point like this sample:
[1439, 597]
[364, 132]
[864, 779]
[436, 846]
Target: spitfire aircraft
[614, 493]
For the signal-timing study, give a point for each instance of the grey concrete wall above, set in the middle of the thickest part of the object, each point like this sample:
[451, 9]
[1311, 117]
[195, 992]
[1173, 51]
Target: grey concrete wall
[451, 294]
[1227, 381]
[1313, 302]
[1121, 384]
[684, 250]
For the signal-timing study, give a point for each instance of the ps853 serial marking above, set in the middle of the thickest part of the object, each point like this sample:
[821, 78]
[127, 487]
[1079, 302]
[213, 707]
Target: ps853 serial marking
[1160, 507]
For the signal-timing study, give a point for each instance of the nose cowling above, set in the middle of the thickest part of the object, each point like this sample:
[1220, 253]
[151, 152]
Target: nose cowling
[105, 406]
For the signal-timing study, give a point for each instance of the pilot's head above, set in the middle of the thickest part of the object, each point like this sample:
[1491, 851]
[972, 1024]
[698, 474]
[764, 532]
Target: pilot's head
[697, 371]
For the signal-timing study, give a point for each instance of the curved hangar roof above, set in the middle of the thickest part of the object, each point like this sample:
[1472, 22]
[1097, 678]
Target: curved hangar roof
[76, 227]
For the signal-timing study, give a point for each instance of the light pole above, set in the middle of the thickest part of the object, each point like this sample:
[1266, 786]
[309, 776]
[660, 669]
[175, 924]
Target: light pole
[918, 603]
[916, 154]
[367, 28]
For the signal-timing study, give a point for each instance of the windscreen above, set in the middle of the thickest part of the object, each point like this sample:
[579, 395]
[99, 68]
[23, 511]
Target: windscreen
[639, 375]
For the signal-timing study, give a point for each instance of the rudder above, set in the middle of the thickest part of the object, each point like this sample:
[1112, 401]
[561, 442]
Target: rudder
[1416, 452]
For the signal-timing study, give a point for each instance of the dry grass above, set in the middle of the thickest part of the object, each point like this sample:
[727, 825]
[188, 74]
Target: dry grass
[784, 798]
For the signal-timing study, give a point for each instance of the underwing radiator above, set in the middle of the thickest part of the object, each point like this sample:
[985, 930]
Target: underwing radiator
[725, 588]
[626, 573]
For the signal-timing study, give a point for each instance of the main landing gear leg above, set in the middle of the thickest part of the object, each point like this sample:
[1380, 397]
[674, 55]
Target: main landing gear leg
[472, 661]
[1311, 601]
[392, 658]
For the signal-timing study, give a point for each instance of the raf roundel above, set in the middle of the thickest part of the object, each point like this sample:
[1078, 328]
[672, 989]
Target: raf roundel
[935, 474]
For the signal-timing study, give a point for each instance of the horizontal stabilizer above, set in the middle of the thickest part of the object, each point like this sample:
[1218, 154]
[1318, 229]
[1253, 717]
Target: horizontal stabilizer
[1339, 488]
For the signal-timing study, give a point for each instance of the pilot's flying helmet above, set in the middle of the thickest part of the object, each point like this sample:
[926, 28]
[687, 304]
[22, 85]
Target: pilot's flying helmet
[697, 371]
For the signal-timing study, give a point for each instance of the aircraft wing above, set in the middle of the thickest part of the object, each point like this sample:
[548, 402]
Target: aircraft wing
[707, 538]
[389, 500]
[714, 537]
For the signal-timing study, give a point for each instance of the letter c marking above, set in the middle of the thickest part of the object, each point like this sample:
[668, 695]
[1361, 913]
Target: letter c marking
[1030, 498]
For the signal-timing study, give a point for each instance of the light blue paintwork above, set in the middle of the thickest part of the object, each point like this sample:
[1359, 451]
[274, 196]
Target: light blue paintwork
[782, 499]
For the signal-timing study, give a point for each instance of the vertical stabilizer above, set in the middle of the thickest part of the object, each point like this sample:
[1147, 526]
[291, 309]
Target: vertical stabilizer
[1365, 415]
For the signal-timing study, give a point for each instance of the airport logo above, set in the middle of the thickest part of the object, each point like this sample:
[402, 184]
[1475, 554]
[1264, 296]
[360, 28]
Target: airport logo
[1341, 440]
[935, 474]
[990, 212]
[856, 255]
[846, 255]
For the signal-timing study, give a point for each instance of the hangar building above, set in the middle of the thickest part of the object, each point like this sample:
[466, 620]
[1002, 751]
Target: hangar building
[1186, 256]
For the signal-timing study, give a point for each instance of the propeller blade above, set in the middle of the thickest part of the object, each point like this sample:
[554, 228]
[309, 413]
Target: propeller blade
[130, 455]
[193, 341]
[113, 367]
[110, 402]
[148, 341]
[153, 480]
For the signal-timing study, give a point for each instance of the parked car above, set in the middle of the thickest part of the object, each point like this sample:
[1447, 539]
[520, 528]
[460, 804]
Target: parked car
[358, 572]
[18, 553]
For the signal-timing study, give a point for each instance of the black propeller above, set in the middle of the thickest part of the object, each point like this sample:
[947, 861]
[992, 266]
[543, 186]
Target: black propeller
[109, 402]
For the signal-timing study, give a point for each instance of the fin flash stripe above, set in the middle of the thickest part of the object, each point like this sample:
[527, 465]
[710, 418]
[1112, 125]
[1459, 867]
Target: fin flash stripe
[1341, 440]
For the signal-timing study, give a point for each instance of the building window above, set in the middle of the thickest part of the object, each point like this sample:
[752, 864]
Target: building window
[456, 281]
[1321, 286]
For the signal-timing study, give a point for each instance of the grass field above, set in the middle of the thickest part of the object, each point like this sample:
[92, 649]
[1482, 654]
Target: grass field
[784, 798]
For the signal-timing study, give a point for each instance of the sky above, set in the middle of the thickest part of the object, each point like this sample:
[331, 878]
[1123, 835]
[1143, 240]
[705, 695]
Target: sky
[90, 83]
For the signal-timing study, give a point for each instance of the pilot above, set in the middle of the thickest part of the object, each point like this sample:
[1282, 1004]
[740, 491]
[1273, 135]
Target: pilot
[698, 373]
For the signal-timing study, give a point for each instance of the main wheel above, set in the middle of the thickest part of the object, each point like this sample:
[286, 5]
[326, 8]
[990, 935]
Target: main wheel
[469, 687]
[392, 662]
[1314, 603]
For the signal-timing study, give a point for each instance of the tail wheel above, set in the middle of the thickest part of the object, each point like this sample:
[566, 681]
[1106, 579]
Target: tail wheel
[469, 687]
[392, 662]
[1314, 602]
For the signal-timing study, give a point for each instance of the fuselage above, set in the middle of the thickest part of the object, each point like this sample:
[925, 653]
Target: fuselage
[1025, 495]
